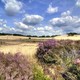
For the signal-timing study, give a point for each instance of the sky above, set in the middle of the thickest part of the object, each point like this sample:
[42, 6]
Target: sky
[39, 17]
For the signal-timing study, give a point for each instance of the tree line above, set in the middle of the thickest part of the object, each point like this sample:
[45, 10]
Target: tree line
[69, 34]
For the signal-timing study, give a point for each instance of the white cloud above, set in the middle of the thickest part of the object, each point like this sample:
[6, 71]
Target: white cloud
[4, 28]
[22, 26]
[2, 22]
[7, 29]
[45, 28]
[52, 9]
[48, 30]
[78, 3]
[40, 29]
[12, 7]
[68, 23]
[32, 19]
[67, 13]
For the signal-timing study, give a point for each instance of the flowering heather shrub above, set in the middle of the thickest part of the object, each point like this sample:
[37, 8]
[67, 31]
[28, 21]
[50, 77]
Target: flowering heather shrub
[73, 73]
[44, 47]
[15, 67]
[77, 61]
[48, 44]
[50, 51]
[60, 53]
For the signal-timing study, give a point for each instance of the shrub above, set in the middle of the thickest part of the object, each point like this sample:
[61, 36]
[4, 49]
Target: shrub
[45, 47]
[73, 73]
[15, 67]
[60, 53]
[39, 75]
[53, 51]
[75, 69]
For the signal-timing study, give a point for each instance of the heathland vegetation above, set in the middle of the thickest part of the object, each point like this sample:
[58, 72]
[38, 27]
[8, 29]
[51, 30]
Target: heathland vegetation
[53, 59]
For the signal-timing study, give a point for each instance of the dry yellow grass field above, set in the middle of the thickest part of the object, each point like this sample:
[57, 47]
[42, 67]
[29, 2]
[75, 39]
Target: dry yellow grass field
[15, 44]
[12, 37]
[28, 49]
[75, 37]
[25, 48]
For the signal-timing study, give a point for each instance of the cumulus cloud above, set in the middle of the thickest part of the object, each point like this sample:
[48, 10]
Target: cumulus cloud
[7, 29]
[52, 9]
[2, 22]
[64, 14]
[68, 23]
[78, 3]
[32, 19]
[45, 28]
[48, 30]
[22, 26]
[12, 7]
[4, 28]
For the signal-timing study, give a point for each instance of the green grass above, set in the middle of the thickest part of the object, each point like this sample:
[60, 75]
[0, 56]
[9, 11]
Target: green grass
[39, 75]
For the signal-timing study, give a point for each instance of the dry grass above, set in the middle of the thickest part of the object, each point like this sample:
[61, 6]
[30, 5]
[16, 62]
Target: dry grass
[12, 37]
[8, 37]
[24, 47]
[76, 37]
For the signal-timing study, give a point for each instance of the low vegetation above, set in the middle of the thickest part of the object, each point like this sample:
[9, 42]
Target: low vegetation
[54, 60]
[62, 57]
[19, 67]
[15, 67]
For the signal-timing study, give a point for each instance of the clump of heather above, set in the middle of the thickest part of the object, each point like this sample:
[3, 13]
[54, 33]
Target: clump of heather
[73, 72]
[47, 44]
[53, 51]
[60, 54]
[15, 67]
[44, 47]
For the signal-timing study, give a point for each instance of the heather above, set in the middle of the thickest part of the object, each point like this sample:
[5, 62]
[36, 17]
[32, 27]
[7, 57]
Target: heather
[60, 59]
[19, 67]
[15, 67]
[56, 60]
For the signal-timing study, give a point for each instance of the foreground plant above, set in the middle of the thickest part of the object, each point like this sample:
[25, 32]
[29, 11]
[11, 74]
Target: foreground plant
[39, 74]
[60, 54]
[15, 67]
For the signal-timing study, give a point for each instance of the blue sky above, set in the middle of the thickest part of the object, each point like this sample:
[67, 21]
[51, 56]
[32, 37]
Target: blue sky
[40, 17]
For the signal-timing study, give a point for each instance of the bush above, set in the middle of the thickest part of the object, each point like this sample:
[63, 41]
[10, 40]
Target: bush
[39, 75]
[44, 48]
[73, 73]
[15, 67]
[60, 53]
[53, 51]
